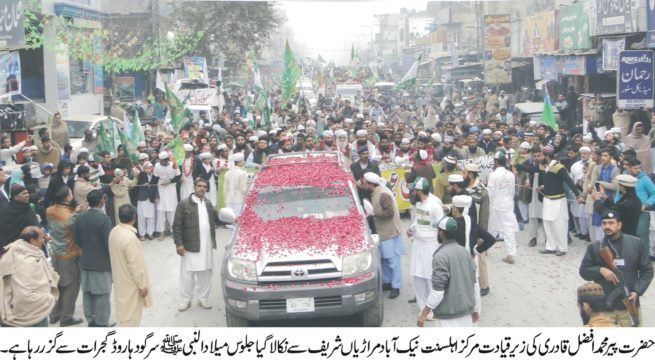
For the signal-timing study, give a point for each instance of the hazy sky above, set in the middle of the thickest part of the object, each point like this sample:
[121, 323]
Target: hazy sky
[330, 27]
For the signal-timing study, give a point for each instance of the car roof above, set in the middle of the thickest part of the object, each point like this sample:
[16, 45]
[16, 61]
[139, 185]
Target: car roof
[87, 118]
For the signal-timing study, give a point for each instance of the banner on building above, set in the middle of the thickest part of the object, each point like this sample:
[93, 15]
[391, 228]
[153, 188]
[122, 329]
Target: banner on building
[63, 72]
[650, 16]
[125, 88]
[574, 27]
[12, 29]
[635, 79]
[10, 79]
[497, 49]
[611, 50]
[614, 17]
[98, 72]
[195, 68]
[540, 33]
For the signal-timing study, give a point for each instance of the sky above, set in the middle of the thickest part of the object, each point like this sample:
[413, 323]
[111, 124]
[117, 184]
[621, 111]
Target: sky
[331, 27]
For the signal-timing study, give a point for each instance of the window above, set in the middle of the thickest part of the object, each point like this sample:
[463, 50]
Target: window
[81, 76]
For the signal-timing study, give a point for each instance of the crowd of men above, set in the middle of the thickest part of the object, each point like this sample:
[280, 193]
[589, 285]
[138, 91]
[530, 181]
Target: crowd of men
[593, 182]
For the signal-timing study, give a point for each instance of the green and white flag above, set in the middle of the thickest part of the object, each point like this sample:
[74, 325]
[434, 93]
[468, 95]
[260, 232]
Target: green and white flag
[290, 76]
[409, 80]
[261, 93]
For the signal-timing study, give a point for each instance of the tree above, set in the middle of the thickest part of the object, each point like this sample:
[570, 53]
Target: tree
[234, 28]
[99, 46]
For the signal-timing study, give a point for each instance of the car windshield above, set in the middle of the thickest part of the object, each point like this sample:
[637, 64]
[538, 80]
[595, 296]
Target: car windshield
[76, 128]
[347, 92]
[320, 203]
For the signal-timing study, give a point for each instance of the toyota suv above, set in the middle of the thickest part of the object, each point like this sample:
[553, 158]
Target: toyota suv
[302, 247]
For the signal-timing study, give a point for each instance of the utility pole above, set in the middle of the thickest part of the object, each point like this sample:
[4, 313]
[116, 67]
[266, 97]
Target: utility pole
[156, 38]
[479, 22]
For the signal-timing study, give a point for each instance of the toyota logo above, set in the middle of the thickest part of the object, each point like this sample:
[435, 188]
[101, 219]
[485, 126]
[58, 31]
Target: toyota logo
[298, 273]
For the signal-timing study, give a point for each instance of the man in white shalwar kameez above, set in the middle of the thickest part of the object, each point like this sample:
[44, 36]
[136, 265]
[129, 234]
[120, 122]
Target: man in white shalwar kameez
[166, 173]
[194, 236]
[423, 231]
[501, 187]
[236, 184]
[187, 167]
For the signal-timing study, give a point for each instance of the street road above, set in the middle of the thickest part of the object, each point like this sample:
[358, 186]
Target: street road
[539, 290]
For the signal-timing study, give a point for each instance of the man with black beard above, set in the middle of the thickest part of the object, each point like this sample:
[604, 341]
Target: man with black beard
[328, 144]
[591, 303]
[300, 145]
[472, 151]
[446, 147]
[387, 149]
[486, 143]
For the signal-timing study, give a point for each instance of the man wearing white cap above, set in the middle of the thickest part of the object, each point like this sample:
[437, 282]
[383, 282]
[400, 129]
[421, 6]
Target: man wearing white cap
[578, 171]
[452, 297]
[389, 228]
[501, 189]
[187, 168]
[236, 184]
[423, 230]
[167, 175]
[448, 168]
[362, 140]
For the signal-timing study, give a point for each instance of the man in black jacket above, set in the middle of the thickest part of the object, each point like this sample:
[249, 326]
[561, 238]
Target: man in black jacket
[60, 178]
[626, 203]
[91, 233]
[630, 257]
[195, 240]
[4, 197]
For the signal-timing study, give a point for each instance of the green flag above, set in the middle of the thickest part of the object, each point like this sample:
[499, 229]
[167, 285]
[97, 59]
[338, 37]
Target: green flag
[409, 80]
[105, 141]
[547, 115]
[128, 146]
[178, 111]
[136, 132]
[177, 145]
[290, 76]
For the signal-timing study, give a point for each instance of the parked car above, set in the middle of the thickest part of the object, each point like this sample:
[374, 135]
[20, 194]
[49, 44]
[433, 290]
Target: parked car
[77, 124]
[533, 110]
[302, 247]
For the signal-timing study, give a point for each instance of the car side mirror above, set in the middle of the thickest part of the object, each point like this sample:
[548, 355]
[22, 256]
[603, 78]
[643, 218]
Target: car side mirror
[376, 238]
[227, 216]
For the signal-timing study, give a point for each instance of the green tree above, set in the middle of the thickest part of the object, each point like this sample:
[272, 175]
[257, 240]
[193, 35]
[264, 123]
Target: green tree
[231, 27]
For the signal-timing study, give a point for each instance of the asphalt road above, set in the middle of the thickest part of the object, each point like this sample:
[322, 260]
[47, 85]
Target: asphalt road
[539, 290]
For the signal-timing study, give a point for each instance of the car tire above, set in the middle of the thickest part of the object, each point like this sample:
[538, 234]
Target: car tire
[235, 321]
[373, 316]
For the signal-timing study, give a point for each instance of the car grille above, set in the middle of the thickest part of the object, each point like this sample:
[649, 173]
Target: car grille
[319, 303]
[297, 272]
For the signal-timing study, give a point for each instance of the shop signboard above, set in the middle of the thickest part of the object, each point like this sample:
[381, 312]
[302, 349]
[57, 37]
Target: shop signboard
[497, 49]
[635, 79]
[12, 29]
[574, 27]
[611, 49]
[614, 17]
[549, 68]
[540, 33]
[573, 65]
[650, 15]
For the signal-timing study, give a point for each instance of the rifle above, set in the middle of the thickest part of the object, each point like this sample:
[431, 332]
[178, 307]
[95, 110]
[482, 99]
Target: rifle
[622, 289]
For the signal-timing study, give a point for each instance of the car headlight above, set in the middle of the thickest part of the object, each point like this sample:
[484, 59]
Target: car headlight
[356, 263]
[242, 269]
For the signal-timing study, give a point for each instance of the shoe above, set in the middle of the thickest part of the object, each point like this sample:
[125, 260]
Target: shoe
[155, 234]
[161, 237]
[394, 293]
[484, 292]
[205, 304]
[499, 239]
[547, 252]
[142, 238]
[183, 306]
[70, 322]
[560, 253]
[386, 287]
[570, 240]
[532, 242]
[92, 324]
[148, 237]
[412, 301]
[54, 320]
[509, 259]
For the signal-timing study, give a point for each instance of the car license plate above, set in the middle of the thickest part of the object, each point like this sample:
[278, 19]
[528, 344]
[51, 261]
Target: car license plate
[300, 305]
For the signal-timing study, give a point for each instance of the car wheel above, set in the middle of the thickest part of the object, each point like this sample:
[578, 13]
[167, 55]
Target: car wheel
[373, 316]
[235, 321]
